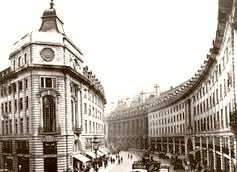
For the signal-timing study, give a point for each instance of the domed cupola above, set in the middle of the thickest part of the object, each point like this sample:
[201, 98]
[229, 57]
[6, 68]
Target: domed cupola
[51, 21]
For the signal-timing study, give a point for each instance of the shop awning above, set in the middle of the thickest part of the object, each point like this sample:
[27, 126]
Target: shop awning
[103, 151]
[81, 158]
[92, 154]
[99, 153]
[194, 151]
[106, 149]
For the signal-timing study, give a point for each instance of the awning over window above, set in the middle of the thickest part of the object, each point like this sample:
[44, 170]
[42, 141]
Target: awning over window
[194, 151]
[81, 158]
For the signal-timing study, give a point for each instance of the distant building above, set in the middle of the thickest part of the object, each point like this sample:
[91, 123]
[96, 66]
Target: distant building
[127, 124]
[51, 104]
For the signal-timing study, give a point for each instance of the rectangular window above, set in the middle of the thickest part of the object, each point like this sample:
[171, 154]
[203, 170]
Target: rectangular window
[85, 108]
[14, 87]
[3, 128]
[21, 104]
[10, 126]
[22, 147]
[9, 89]
[85, 126]
[2, 108]
[16, 126]
[15, 105]
[10, 106]
[27, 102]
[6, 107]
[50, 147]
[48, 82]
[20, 85]
[26, 83]
[6, 127]
[220, 91]
[21, 125]
[89, 126]
[27, 125]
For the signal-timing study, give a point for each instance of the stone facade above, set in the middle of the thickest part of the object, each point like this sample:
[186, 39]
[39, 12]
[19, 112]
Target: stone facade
[47, 98]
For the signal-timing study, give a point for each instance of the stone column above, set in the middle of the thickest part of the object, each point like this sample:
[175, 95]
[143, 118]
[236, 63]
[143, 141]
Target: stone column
[229, 148]
[214, 153]
[201, 153]
[222, 159]
[207, 148]
[235, 154]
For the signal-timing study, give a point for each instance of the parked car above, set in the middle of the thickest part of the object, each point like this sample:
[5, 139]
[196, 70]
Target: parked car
[178, 164]
[138, 170]
[164, 167]
[161, 155]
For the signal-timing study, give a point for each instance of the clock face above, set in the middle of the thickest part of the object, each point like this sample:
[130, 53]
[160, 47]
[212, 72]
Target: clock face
[47, 54]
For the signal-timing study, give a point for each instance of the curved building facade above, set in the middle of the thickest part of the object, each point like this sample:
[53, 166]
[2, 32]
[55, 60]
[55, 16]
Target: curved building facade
[196, 120]
[51, 104]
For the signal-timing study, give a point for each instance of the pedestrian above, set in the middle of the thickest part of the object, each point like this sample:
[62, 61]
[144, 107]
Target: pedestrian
[131, 156]
[105, 164]
[121, 159]
[128, 156]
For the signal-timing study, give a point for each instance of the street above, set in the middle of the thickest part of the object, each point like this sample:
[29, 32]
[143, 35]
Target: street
[126, 165]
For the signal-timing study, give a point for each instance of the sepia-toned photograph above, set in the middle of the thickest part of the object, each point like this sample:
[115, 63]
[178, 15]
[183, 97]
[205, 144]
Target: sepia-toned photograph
[118, 86]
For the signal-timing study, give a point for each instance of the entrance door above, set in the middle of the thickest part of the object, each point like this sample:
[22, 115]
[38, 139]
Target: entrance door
[50, 164]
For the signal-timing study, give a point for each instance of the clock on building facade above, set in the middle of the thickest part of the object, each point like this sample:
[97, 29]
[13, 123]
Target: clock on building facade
[47, 54]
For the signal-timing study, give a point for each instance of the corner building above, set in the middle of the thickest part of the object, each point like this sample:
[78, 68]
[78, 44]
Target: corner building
[197, 119]
[51, 104]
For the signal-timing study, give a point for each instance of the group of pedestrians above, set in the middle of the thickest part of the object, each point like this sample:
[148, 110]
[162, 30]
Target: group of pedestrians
[118, 158]
[129, 156]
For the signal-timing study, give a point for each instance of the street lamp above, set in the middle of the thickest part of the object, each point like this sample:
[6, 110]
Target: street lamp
[95, 147]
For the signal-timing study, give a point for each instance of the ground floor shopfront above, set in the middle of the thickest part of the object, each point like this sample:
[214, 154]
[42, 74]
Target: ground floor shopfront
[213, 152]
[129, 142]
[54, 153]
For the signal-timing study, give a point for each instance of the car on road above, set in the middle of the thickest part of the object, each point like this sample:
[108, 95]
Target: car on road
[164, 167]
[138, 170]
[178, 165]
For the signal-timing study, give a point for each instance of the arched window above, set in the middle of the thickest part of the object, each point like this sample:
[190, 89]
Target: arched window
[49, 114]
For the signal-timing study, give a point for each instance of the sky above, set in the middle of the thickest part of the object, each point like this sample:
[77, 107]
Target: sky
[130, 45]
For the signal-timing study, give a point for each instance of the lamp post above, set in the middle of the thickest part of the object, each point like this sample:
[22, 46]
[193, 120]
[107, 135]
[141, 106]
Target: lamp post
[95, 147]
